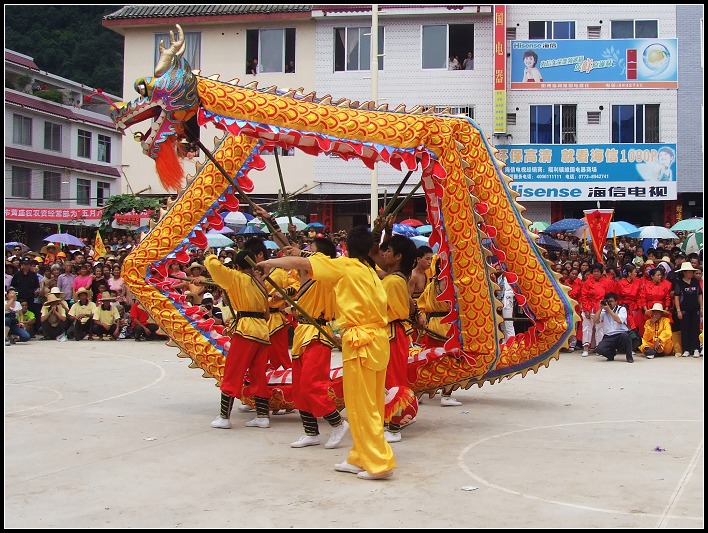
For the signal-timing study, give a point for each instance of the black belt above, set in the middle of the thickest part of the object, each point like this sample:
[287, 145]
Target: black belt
[250, 314]
[274, 309]
[320, 321]
[437, 314]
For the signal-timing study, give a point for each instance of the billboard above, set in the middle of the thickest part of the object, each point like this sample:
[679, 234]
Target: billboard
[594, 64]
[577, 172]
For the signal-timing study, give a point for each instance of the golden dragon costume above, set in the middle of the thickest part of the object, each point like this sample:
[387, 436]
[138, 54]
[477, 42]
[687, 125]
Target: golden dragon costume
[470, 205]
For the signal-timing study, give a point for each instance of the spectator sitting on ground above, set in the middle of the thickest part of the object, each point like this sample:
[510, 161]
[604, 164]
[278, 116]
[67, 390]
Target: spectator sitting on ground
[54, 317]
[81, 316]
[106, 318]
[657, 336]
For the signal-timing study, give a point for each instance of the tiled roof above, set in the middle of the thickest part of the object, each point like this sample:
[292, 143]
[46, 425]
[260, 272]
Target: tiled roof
[176, 10]
[58, 161]
[19, 59]
[47, 106]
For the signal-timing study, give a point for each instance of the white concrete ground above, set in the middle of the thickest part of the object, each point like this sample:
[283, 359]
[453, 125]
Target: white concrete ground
[117, 435]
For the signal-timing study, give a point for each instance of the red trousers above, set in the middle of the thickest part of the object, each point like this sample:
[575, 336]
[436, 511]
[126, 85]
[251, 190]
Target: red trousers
[279, 353]
[396, 375]
[244, 356]
[311, 379]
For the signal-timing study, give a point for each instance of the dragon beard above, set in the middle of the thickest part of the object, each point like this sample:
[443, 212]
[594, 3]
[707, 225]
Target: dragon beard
[169, 168]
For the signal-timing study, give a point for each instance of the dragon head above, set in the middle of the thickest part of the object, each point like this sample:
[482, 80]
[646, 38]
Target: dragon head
[170, 99]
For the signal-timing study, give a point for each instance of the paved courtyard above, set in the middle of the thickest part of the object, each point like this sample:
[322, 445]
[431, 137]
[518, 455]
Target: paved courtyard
[117, 435]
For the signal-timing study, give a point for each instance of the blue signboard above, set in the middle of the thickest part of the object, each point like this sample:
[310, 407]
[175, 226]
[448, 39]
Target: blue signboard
[594, 64]
[580, 172]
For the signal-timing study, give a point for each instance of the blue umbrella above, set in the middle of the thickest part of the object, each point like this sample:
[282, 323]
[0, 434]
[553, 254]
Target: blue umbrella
[426, 229]
[317, 226]
[217, 240]
[565, 224]
[248, 230]
[404, 229]
[65, 238]
[548, 242]
[271, 245]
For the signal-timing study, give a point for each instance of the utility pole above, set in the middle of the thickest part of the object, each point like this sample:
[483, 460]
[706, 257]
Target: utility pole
[374, 98]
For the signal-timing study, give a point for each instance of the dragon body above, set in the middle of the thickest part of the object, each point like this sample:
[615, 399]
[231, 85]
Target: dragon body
[470, 205]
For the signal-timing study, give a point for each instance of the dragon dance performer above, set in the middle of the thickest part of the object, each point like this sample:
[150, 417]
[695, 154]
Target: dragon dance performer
[360, 307]
[278, 324]
[250, 341]
[397, 256]
[312, 355]
[435, 311]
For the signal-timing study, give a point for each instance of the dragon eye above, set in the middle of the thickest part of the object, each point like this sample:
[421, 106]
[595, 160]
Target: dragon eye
[141, 87]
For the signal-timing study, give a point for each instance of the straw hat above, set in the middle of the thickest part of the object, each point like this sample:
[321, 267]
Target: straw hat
[658, 307]
[83, 290]
[46, 247]
[195, 265]
[686, 266]
[56, 292]
[106, 297]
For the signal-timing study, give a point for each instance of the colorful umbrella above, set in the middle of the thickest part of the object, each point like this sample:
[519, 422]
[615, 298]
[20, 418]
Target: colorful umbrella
[549, 243]
[693, 243]
[565, 224]
[284, 221]
[539, 226]
[317, 226]
[653, 232]
[65, 238]
[250, 230]
[688, 224]
[403, 229]
[412, 222]
[217, 240]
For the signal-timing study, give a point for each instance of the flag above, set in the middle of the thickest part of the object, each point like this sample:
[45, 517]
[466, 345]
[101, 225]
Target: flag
[99, 250]
[598, 225]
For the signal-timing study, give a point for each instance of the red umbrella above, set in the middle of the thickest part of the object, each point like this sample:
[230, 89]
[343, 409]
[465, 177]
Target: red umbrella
[412, 222]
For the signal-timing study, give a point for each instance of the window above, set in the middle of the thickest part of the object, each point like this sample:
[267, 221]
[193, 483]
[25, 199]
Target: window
[593, 118]
[553, 124]
[274, 49]
[634, 29]
[635, 123]
[52, 186]
[21, 130]
[352, 49]
[594, 32]
[511, 34]
[193, 47]
[103, 192]
[21, 182]
[83, 192]
[511, 119]
[440, 42]
[84, 149]
[450, 110]
[104, 148]
[52, 136]
[547, 29]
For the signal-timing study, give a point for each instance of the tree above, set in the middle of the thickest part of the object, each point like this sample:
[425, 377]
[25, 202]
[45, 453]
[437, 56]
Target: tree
[125, 203]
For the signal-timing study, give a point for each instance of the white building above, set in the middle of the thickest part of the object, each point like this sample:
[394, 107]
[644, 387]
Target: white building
[62, 154]
[573, 140]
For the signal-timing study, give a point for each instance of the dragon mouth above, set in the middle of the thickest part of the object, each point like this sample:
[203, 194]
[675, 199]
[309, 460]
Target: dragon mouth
[137, 112]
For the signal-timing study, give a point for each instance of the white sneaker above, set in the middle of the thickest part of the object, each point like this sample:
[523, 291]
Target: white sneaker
[344, 466]
[245, 408]
[380, 475]
[61, 338]
[258, 423]
[677, 354]
[449, 401]
[696, 353]
[337, 435]
[685, 354]
[392, 437]
[306, 440]
[221, 423]
[585, 352]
